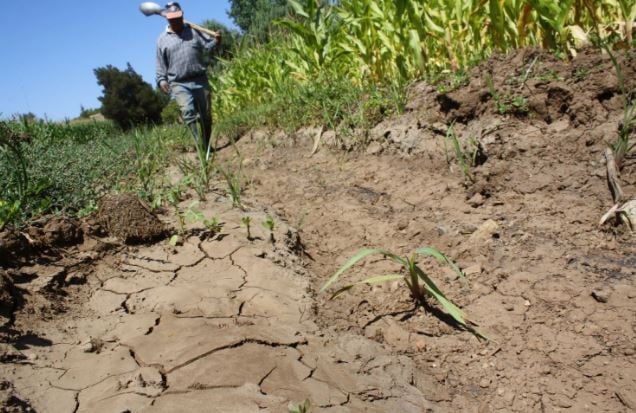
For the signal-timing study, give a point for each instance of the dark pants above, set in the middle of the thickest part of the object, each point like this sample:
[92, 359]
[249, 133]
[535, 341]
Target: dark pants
[195, 100]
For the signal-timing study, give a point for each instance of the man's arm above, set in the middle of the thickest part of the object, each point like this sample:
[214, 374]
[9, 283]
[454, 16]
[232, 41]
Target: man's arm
[162, 70]
[209, 42]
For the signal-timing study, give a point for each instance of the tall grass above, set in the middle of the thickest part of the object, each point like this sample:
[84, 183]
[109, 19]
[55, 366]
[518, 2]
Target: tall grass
[66, 168]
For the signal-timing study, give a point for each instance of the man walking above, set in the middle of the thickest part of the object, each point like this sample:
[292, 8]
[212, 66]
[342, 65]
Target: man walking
[182, 61]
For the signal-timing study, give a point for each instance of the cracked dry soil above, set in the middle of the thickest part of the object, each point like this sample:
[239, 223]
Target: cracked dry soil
[231, 325]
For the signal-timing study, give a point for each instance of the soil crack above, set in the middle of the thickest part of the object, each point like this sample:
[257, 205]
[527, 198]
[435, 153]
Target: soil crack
[236, 345]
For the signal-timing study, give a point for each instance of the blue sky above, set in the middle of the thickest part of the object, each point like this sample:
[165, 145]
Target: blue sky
[49, 49]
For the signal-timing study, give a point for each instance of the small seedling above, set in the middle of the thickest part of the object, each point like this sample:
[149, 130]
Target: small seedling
[246, 222]
[460, 156]
[213, 225]
[176, 240]
[500, 103]
[234, 186]
[301, 408]
[419, 283]
[269, 224]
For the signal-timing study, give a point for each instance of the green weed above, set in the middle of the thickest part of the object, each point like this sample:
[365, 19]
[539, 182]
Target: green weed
[548, 75]
[448, 81]
[507, 103]
[581, 73]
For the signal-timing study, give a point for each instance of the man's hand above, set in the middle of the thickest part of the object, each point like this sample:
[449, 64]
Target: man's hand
[165, 88]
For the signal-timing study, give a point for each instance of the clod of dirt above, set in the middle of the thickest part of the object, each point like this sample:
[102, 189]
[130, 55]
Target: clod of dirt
[127, 218]
[12, 244]
[61, 231]
[10, 402]
[7, 301]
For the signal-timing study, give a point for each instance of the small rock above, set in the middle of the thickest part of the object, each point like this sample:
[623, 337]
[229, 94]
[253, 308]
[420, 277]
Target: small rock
[562, 401]
[602, 296]
[473, 270]
[442, 230]
[94, 345]
[476, 201]
[485, 232]
[75, 278]
[374, 148]
[402, 224]
[467, 229]
[501, 391]
[420, 345]
[484, 383]
[509, 397]
[509, 307]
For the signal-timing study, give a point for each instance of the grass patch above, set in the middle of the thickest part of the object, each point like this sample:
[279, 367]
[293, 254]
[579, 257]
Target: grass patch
[330, 100]
[65, 168]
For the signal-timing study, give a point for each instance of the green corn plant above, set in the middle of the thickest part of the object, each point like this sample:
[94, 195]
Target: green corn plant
[460, 156]
[418, 282]
[213, 225]
[269, 225]
[621, 147]
[174, 195]
[304, 407]
[234, 186]
[388, 41]
[313, 32]
[628, 12]
[246, 221]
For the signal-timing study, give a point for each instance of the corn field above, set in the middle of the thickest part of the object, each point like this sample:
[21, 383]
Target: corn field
[389, 41]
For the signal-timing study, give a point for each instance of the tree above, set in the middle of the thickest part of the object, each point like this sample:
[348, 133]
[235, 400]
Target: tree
[127, 99]
[255, 17]
[87, 113]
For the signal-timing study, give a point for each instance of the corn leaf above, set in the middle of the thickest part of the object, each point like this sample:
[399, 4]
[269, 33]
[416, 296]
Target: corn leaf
[441, 258]
[379, 279]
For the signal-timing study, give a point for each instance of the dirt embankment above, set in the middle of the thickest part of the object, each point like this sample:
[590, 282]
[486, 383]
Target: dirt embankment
[235, 324]
[553, 289]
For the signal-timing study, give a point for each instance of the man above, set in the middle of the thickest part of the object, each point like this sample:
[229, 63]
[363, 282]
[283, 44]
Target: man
[182, 60]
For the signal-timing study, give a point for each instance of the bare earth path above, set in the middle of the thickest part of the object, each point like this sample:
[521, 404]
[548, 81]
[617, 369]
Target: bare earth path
[212, 326]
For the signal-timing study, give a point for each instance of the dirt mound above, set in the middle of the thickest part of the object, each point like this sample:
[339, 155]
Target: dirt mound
[54, 233]
[532, 83]
[124, 216]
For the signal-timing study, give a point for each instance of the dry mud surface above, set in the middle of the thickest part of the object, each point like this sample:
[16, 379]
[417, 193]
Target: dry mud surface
[227, 324]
